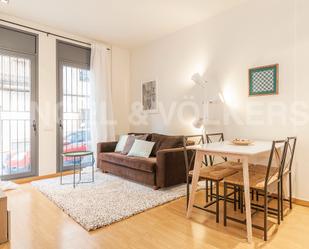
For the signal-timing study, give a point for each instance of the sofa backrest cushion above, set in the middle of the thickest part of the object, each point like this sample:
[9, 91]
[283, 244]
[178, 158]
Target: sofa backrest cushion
[130, 142]
[140, 133]
[165, 142]
[121, 143]
[141, 148]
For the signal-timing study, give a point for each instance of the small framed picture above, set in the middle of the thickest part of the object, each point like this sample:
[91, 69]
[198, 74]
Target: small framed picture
[150, 96]
[264, 80]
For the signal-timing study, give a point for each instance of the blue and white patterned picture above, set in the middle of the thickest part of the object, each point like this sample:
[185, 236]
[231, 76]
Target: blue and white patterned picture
[263, 80]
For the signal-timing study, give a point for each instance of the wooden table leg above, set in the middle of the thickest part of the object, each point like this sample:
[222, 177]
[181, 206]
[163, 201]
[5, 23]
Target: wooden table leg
[196, 173]
[247, 198]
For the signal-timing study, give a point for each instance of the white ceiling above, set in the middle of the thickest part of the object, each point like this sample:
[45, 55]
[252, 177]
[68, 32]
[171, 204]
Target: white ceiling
[128, 23]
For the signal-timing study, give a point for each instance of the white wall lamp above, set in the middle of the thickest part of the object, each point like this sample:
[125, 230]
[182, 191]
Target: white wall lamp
[199, 80]
[218, 99]
[200, 121]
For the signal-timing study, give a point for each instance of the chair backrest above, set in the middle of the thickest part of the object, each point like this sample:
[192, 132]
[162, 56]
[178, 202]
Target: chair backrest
[278, 152]
[187, 141]
[213, 138]
[290, 154]
[193, 140]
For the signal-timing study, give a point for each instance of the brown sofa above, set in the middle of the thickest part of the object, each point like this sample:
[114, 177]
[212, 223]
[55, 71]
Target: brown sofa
[165, 167]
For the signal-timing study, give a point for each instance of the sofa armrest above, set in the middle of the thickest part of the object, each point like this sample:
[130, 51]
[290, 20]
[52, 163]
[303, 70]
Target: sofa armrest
[171, 167]
[105, 147]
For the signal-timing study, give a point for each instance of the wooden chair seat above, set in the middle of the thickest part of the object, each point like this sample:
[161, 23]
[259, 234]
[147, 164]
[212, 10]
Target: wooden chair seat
[257, 179]
[233, 165]
[216, 173]
[262, 169]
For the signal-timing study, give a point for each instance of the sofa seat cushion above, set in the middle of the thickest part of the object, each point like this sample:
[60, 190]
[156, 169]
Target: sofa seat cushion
[139, 163]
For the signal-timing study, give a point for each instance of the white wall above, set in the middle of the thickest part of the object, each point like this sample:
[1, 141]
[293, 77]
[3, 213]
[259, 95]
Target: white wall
[301, 95]
[47, 91]
[223, 48]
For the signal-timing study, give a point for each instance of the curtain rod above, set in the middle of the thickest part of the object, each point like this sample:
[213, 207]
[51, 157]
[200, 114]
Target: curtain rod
[47, 33]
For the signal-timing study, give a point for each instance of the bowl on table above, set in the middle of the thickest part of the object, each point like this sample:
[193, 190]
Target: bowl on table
[240, 141]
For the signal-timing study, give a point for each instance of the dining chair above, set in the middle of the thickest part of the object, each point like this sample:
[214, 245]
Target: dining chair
[212, 138]
[212, 173]
[187, 141]
[287, 171]
[219, 137]
[261, 182]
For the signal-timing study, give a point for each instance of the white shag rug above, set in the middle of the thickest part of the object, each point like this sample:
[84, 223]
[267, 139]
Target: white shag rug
[7, 185]
[107, 200]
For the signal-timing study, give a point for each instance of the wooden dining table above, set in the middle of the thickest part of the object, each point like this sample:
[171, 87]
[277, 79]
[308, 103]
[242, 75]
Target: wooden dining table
[232, 152]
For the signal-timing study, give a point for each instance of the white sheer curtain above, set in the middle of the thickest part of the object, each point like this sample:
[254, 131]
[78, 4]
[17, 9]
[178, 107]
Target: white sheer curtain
[101, 114]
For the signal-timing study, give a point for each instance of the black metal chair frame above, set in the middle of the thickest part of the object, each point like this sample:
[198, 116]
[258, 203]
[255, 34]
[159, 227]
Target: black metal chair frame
[211, 159]
[209, 140]
[217, 196]
[267, 198]
[291, 150]
[187, 163]
[220, 138]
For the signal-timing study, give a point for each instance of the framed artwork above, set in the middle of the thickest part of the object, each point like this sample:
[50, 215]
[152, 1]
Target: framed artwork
[150, 96]
[264, 80]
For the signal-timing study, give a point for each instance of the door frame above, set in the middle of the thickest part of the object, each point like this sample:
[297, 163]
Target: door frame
[34, 108]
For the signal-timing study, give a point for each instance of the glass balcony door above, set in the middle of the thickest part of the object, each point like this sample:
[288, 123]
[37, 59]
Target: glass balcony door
[74, 114]
[17, 115]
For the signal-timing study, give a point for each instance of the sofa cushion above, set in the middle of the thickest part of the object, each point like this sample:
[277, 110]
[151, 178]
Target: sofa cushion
[138, 134]
[139, 163]
[130, 142]
[121, 143]
[141, 148]
[165, 142]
